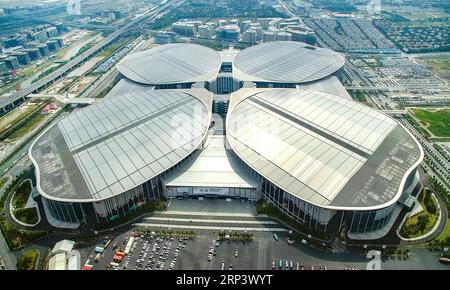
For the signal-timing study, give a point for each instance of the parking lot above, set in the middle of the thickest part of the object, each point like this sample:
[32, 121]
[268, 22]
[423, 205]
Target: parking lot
[147, 252]
[206, 252]
[262, 253]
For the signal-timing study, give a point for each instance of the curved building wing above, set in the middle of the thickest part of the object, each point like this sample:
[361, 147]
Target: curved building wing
[329, 151]
[171, 64]
[286, 62]
[111, 147]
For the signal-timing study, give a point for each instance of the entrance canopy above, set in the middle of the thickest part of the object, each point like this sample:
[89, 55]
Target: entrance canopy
[214, 166]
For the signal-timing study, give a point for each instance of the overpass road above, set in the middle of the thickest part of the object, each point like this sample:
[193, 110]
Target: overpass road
[42, 83]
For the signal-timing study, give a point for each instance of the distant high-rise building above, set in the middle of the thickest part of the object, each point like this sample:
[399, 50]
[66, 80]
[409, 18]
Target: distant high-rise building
[228, 32]
[3, 68]
[204, 31]
[245, 24]
[283, 36]
[184, 28]
[22, 58]
[164, 37]
[52, 45]
[43, 50]
[60, 42]
[303, 36]
[51, 32]
[249, 36]
[12, 62]
[10, 42]
[33, 54]
[32, 44]
[60, 27]
[222, 22]
[41, 36]
[269, 36]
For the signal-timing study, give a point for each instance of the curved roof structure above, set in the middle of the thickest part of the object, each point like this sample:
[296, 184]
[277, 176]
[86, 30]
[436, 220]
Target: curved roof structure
[321, 148]
[113, 146]
[171, 64]
[286, 62]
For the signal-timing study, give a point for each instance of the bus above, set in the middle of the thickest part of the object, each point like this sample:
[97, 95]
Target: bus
[275, 236]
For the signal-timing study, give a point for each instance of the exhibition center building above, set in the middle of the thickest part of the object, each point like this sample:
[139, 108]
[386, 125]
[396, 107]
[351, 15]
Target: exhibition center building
[270, 122]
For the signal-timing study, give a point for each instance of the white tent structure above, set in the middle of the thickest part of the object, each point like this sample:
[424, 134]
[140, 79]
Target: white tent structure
[57, 262]
[64, 246]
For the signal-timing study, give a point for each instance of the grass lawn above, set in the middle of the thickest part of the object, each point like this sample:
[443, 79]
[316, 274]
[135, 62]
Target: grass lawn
[446, 233]
[28, 260]
[27, 215]
[20, 116]
[29, 125]
[21, 196]
[413, 227]
[437, 122]
[4, 180]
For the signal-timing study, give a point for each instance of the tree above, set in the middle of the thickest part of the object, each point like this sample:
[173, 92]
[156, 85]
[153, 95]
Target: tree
[422, 222]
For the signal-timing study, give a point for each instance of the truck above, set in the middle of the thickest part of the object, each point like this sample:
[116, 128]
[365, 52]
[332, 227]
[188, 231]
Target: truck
[129, 245]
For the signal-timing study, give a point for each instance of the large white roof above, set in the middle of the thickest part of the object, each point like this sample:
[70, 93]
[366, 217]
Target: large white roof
[322, 148]
[286, 62]
[214, 166]
[171, 64]
[57, 262]
[115, 145]
[63, 246]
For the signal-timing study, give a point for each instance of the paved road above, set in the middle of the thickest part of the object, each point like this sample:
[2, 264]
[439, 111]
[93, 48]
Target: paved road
[441, 164]
[259, 254]
[8, 257]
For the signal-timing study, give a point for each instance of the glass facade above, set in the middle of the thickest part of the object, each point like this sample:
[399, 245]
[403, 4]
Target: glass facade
[365, 221]
[65, 211]
[275, 85]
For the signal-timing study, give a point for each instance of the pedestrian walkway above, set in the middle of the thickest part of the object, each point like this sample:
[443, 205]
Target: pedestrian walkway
[210, 221]
[217, 228]
[211, 207]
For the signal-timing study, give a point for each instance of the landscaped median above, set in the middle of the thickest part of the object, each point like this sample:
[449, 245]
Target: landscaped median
[4, 180]
[15, 238]
[422, 223]
[28, 216]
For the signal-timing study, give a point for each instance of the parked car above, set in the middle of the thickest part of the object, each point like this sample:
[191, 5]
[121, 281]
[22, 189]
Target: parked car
[444, 260]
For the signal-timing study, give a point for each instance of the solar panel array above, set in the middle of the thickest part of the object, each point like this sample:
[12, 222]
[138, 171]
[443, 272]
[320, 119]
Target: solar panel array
[171, 64]
[123, 142]
[287, 62]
